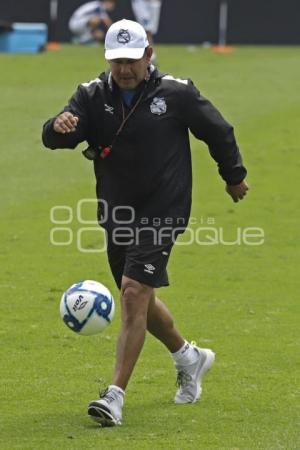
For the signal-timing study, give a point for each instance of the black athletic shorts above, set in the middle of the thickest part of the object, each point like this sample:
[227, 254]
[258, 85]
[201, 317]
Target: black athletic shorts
[144, 259]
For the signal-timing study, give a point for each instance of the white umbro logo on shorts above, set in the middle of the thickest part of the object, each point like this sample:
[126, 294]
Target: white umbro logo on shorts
[149, 268]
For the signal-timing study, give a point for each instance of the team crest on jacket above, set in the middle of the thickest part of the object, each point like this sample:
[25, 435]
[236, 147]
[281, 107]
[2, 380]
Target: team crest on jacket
[158, 106]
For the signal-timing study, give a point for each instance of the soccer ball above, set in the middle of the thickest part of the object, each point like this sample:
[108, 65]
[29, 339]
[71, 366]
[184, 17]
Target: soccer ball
[87, 307]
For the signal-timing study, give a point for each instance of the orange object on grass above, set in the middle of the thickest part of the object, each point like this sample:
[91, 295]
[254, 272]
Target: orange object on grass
[223, 49]
[53, 46]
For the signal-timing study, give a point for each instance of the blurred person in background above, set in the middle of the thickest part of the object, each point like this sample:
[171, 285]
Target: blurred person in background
[89, 22]
[147, 13]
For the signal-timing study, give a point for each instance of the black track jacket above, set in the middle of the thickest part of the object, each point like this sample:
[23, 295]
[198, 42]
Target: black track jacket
[149, 167]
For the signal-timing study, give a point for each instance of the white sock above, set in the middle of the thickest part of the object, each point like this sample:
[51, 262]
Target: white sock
[185, 355]
[117, 389]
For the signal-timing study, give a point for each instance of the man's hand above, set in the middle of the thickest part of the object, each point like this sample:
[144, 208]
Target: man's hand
[65, 123]
[238, 191]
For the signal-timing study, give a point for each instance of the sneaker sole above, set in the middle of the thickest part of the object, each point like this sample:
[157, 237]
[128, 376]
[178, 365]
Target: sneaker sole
[203, 369]
[102, 416]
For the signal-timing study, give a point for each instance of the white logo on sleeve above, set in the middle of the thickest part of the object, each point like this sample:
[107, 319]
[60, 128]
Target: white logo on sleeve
[158, 106]
[149, 268]
[108, 108]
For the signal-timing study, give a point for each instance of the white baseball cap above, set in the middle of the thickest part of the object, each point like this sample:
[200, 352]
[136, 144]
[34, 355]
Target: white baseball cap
[125, 39]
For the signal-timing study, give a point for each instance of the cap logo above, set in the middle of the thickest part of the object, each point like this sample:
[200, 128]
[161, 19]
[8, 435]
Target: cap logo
[123, 37]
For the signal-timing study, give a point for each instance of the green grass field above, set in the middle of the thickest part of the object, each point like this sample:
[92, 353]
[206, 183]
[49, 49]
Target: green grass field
[240, 300]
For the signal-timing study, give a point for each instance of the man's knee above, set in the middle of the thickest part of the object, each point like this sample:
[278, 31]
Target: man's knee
[134, 289]
[135, 296]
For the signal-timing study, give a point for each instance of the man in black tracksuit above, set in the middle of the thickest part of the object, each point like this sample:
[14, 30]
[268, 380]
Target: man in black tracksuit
[136, 121]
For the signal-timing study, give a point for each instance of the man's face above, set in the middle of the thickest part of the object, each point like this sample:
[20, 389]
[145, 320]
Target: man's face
[129, 73]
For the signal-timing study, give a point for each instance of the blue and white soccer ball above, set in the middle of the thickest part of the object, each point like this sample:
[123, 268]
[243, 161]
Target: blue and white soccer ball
[87, 307]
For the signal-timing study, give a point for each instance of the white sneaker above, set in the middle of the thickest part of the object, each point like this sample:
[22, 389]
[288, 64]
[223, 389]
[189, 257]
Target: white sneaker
[108, 410]
[189, 377]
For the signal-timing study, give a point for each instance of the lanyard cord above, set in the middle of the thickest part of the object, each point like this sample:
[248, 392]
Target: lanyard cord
[125, 118]
[106, 151]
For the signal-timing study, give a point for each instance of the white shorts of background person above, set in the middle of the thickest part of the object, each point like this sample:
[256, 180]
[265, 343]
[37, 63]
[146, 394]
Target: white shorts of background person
[147, 13]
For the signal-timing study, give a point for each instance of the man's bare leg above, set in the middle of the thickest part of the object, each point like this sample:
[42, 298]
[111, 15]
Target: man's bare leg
[135, 299]
[160, 324]
[141, 311]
